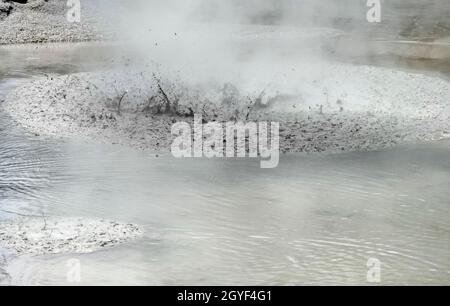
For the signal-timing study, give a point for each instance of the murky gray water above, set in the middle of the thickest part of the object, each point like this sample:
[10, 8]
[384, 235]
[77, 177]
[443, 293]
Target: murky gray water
[312, 220]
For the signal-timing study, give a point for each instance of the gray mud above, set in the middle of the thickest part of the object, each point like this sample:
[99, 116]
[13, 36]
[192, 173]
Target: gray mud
[353, 108]
[56, 235]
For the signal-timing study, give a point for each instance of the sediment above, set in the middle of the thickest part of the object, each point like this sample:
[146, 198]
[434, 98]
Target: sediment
[57, 235]
[354, 108]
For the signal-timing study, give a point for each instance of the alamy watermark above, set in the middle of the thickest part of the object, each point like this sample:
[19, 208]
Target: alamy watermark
[229, 139]
[73, 274]
[73, 14]
[374, 13]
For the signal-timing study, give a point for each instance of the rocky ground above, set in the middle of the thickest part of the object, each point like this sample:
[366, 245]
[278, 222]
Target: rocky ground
[38, 21]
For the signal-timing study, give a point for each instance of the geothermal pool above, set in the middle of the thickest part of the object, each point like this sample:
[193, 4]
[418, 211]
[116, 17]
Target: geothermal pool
[313, 220]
